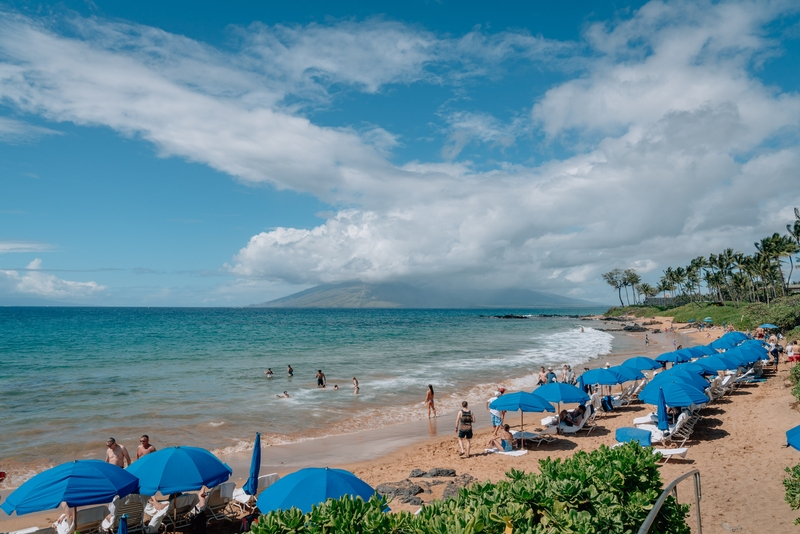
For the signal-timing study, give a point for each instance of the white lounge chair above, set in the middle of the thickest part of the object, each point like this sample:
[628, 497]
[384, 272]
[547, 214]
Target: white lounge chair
[246, 503]
[218, 500]
[133, 505]
[156, 516]
[587, 419]
[180, 515]
[88, 520]
[547, 435]
[675, 432]
[666, 454]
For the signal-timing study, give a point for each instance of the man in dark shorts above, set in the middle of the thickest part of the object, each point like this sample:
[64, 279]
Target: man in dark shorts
[464, 421]
[320, 379]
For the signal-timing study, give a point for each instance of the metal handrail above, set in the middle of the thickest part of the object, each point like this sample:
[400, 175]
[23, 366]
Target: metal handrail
[672, 487]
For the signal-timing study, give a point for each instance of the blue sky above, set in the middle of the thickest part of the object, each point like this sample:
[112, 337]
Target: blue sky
[213, 154]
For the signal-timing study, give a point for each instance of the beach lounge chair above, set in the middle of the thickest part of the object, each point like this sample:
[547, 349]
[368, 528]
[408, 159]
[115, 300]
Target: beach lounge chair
[574, 429]
[547, 435]
[649, 419]
[133, 505]
[218, 501]
[247, 503]
[180, 514]
[88, 520]
[640, 436]
[675, 433]
[519, 452]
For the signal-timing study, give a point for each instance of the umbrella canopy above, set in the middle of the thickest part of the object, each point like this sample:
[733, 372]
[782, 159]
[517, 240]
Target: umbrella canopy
[712, 364]
[178, 469]
[251, 486]
[641, 363]
[769, 326]
[77, 483]
[627, 372]
[698, 351]
[312, 485]
[793, 437]
[679, 375]
[708, 320]
[677, 356]
[560, 392]
[675, 394]
[604, 377]
[692, 367]
[522, 400]
[663, 421]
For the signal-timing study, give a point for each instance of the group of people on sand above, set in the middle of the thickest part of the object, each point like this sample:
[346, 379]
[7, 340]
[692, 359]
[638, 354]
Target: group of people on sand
[322, 381]
[549, 376]
[117, 454]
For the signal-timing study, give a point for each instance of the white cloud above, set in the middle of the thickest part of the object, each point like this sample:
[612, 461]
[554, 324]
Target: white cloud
[672, 136]
[12, 130]
[23, 246]
[32, 282]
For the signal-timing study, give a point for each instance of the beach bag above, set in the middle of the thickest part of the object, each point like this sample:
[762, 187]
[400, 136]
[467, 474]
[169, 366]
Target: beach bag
[607, 403]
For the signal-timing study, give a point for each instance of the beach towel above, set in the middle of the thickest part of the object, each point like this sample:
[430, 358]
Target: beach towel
[509, 453]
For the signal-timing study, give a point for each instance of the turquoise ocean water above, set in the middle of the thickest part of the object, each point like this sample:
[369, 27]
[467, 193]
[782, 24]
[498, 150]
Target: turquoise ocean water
[71, 377]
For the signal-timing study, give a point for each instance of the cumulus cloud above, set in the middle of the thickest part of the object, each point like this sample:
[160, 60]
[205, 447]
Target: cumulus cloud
[669, 137]
[33, 282]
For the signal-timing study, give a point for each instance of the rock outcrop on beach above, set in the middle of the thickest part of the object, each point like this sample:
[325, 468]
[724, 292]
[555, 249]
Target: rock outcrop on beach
[408, 491]
[402, 295]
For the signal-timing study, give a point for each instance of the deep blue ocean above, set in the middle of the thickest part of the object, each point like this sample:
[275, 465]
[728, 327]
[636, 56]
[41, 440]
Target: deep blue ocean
[72, 377]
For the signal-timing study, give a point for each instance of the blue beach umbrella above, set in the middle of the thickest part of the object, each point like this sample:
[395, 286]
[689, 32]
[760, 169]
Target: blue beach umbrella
[560, 392]
[682, 376]
[702, 350]
[692, 367]
[77, 483]
[178, 469]
[708, 320]
[522, 400]
[604, 377]
[676, 356]
[663, 421]
[251, 486]
[769, 326]
[675, 394]
[312, 485]
[627, 373]
[793, 437]
[712, 364]
[641, 363]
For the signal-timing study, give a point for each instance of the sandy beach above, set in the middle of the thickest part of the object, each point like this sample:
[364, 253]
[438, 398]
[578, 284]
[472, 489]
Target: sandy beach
[738, 448]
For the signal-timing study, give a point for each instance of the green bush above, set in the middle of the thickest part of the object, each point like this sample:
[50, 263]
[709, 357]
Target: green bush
[603, 491]
[792, 485]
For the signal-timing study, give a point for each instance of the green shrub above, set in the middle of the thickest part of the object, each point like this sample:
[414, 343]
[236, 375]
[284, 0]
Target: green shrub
[603, 491]
[792, 485]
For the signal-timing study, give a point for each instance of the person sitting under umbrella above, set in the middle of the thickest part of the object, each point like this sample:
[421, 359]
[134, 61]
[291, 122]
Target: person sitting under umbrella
[504, 440]
[572, 417]
[66, 523]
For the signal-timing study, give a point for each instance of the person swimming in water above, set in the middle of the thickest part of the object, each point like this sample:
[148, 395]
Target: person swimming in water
[269, 372]
[284, 396]
[289, 370]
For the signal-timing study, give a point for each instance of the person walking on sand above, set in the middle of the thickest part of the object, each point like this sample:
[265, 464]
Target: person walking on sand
[464, 421]
[429, 401]
[497, 415]
[117, 454]
[321, 382]
[355, 386]
[145, 447]
[646, 340]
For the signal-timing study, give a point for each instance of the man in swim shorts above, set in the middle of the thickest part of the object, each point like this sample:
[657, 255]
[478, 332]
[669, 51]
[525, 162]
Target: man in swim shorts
[117, 454]
[497, 415]
[320, 379]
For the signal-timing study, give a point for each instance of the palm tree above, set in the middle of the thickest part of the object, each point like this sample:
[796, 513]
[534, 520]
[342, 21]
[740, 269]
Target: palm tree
[647, 290]
[631, 278]
[794, 233]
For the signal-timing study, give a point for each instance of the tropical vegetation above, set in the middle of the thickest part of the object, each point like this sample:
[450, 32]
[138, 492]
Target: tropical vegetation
[606, 490]
[729, 276]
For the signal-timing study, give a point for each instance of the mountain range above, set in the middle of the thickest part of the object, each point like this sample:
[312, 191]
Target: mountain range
[402, 295]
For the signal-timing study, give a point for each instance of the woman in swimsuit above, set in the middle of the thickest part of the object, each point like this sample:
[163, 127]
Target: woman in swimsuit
[355, 386]
[429, 401]
[290, 370]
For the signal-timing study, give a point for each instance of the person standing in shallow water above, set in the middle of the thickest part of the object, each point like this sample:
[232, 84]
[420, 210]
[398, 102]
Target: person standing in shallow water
[355, 386]
[429, 401]
[289, 370]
